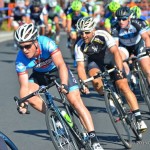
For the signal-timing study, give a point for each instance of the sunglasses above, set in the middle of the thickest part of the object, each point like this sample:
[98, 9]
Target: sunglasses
[26, 46]
[86, 32]
[123, 19]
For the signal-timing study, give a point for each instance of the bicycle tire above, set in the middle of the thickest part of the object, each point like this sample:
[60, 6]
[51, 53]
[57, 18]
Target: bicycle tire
[80, 130]
[61, 141]
[118, 120]
[144, 89]
[133, 125]
[8, 142]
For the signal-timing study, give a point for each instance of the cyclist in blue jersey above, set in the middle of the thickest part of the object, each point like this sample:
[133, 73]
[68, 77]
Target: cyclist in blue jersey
[41, 54]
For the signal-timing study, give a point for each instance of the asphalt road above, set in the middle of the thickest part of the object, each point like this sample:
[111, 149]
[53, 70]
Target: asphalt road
[29, 131]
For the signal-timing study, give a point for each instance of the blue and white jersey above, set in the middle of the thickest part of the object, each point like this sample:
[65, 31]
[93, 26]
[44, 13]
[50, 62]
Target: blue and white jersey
[42, 63]
[130, 36]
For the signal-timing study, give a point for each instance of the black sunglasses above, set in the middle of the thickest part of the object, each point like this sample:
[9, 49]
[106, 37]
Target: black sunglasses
[26, 46]
[86, 32]
[123, 18]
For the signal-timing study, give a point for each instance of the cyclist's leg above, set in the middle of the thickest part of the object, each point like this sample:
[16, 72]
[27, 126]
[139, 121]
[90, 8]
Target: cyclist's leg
[76, 101]
[125, 55]
[144, 61]
[97, 83]
[56, 20]
[131, 99]
[34, 81]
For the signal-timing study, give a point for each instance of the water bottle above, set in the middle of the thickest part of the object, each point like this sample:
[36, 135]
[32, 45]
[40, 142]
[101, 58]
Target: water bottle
[67, 118]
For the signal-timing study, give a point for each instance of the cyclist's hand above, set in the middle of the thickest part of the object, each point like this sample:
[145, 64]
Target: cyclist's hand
[64, 89]
[84, 88]
[119, 74]
[23, 109]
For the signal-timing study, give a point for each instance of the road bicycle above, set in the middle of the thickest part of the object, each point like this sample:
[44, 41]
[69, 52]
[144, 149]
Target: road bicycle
[121, 117]
[6, 143]
[65, 136]
[138, 79]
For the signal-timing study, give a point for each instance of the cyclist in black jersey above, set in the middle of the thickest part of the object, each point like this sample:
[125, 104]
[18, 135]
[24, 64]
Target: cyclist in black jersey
[132, 34]
[102, 50]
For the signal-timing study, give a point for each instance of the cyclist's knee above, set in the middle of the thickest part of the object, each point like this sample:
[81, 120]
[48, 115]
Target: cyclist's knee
[123, 86]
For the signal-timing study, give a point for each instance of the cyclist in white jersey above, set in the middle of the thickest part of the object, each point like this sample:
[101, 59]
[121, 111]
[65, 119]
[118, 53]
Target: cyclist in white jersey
[102, 50]
[132, 34]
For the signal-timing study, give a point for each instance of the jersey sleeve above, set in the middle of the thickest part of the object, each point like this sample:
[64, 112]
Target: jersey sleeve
[107, 23]
[108, 38]
[140, 25]
[52, 47]
[115, 33]
[79, 56]
[20, 64]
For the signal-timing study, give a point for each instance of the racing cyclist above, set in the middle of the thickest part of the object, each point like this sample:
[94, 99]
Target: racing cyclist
[37, 14]
[102, 50]
[132, 34]
[111, 19]
[55, 13]
[73, 15]
[41, 54]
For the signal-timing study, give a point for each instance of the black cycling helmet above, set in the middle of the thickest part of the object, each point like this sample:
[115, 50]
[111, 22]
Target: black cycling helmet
[123, 12]
[36, 3]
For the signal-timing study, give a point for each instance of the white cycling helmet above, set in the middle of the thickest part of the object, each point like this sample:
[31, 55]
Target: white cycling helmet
[86, 24]
[52, 3]
[26, 32]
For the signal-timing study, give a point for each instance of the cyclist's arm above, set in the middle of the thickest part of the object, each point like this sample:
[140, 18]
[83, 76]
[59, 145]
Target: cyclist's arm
[146, 38]
[23, 81]
[107, 25]
[118, 60]
[69, 23]
[60, 64]
[81, 70]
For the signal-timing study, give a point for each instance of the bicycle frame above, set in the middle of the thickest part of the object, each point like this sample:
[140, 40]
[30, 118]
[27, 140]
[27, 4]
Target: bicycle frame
[49, 102]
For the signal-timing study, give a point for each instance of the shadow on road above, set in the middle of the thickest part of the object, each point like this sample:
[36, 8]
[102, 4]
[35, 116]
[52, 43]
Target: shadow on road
[39, 133]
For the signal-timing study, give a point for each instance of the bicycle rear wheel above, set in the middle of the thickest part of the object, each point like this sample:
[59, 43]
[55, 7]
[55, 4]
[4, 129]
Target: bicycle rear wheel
[118, 119]
[8, 142]
[61, 137]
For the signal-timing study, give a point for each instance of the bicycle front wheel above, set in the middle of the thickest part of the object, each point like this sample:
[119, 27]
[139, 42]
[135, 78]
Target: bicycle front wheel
[118, 120]
[144, 89]
[61, 137]
[8, 142]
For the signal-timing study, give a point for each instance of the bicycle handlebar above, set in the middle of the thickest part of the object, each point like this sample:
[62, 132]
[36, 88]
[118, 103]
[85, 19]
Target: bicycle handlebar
[99, 74]
[42, 89]
[134, 58]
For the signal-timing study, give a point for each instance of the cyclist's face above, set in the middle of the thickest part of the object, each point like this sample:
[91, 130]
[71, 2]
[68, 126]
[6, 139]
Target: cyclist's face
[36, 8]
[29, 49]
[76, 13]
[87, 36]
[123, 22]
